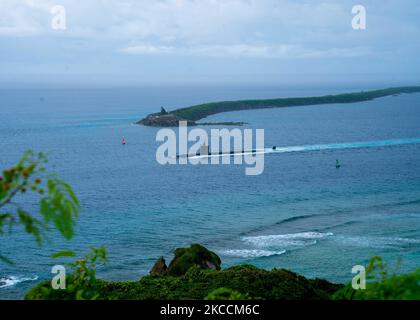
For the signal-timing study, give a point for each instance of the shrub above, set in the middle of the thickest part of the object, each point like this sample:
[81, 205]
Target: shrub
[384, 284]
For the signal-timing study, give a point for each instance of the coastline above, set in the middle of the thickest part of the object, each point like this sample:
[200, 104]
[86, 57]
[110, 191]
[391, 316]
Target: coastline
[194, 113]
[195, 274]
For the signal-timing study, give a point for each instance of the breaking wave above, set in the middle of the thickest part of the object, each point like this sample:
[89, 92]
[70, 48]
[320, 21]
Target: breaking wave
[9, 281]
[286, 240]
[251, 253]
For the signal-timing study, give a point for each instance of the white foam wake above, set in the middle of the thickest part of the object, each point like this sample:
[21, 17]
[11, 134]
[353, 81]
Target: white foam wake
[346, 145]
[317, 147]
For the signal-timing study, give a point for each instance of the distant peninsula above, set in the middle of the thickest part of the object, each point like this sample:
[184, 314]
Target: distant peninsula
[195, 113]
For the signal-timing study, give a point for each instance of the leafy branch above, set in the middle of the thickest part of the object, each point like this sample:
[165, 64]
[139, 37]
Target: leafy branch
[83, 280]
[58, 204]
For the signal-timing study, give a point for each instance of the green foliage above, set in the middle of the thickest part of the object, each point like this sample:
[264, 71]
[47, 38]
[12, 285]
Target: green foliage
[63, 254]
[226, 294]
[195, 274]
[58, 205]
[243, 282]
[81, 284]
[384, 283]
[198, 112]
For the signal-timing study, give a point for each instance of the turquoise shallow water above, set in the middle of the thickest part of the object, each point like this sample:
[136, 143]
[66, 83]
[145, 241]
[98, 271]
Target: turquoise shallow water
[301, 213]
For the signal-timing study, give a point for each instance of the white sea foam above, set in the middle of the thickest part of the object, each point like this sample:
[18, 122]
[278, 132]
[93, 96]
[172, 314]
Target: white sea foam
[377, 242]
[286, 240]
[251, 253]
[9, 281]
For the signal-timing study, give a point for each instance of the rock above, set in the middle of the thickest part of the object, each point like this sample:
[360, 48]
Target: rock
[164, 120]
[197, 256]
[159, 268]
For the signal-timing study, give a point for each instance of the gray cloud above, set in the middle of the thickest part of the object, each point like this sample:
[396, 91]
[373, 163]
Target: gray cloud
[211, 36]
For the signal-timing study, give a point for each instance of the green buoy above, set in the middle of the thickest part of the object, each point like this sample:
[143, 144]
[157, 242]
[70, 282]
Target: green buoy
[337, 164]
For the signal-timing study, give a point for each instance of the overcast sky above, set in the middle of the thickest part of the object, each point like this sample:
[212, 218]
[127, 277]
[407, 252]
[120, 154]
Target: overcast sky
[131, 42]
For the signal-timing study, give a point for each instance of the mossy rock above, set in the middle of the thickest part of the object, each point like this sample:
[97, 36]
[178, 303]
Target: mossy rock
[194, 256]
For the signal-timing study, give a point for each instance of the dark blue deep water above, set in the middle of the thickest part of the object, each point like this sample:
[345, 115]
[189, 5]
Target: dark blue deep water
[301, 213]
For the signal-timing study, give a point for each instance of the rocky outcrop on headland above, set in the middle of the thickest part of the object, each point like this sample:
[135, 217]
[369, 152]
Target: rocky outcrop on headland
[159, 268]
[171, 120]
[164, 120]
[185, 258]
[194, 256]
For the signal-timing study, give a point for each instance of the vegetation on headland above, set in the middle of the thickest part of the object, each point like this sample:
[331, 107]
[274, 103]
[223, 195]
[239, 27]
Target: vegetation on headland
[194, 274]
[197, 112]
[197, 276]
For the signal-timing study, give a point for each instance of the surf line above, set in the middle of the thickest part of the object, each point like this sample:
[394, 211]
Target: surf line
[304, 148]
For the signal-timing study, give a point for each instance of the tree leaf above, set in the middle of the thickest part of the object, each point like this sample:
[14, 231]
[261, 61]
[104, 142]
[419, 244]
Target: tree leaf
[62, 254]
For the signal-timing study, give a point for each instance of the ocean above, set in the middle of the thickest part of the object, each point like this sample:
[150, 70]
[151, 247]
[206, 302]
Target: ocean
[302, 213]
